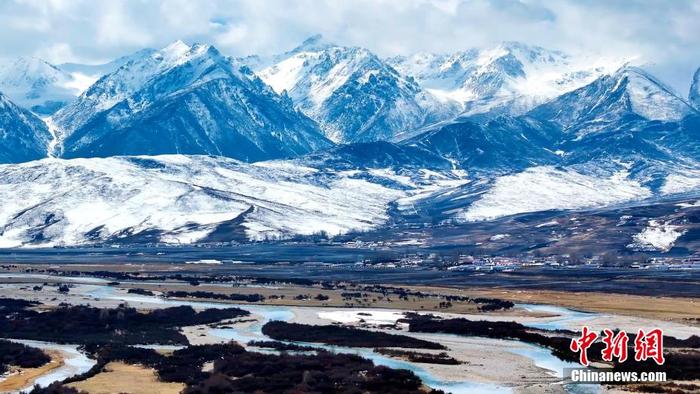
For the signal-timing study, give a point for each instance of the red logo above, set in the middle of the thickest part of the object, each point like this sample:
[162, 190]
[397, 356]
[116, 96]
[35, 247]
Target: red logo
[615, 345]
[582, 344]
[648, 345]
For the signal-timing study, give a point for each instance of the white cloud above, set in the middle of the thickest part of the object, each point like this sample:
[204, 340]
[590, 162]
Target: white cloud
[55, 53]
[116, 25]
[663, 33]
[234, 35]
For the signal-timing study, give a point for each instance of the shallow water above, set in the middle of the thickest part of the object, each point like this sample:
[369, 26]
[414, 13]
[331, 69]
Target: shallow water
[266, 314]
[74, 363]
[565, 319]
[243, 334]
[68, 279]
[270, 313]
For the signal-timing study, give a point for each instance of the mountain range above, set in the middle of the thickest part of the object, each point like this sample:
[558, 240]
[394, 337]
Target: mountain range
[342, 141]
[509, 78]
[188, 100]
[353, 94]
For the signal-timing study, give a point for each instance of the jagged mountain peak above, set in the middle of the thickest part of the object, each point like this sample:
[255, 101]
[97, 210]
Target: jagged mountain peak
[352, 93]
[533, 53]
[178, 53]
[314, 43]
[133, 75]
[177, 46]
[626, 116]
[31, 64]
[636, 73]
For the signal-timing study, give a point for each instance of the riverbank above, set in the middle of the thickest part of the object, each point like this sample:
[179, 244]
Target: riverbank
[21, 378]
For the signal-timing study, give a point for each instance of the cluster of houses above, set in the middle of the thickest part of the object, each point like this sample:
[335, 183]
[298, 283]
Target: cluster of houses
[508, 263]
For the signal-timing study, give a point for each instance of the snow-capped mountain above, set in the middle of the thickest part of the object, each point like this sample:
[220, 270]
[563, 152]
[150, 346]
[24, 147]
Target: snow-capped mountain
[39, 86]
[44, 88]
[119, 85]
[352, 93]
[694, 95]
[184, 99]
[23, 136]
[627, 116]
[509, 78]
[630, 91]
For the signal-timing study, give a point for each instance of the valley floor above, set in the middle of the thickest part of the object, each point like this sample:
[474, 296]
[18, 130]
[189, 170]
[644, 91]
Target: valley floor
[485, 364]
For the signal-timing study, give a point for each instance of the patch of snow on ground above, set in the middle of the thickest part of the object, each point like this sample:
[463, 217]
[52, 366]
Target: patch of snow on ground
[547, 224]
[368, 316]
[205, 262]
[657, 236]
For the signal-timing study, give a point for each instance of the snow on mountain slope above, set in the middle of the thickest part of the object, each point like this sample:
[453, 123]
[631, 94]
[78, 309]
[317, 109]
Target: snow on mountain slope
[189, 100]
[546, 188]
[682, 182]
[23, 136]
[651, 98]
[511, 77]
[694, 95]
[353, 94]
[39, 86]
[179, 199]
[189, 199]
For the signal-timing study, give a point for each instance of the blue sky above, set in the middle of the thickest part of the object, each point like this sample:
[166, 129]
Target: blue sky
[664, 34]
